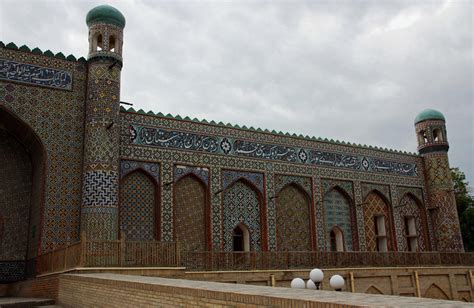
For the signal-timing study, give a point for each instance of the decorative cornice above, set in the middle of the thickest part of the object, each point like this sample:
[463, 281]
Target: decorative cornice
[37, 51]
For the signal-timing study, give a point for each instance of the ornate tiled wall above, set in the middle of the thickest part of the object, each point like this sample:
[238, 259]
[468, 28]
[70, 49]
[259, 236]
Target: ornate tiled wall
[241, 204]
[190, 213]
[268, 175]
[138, 206]
[409, 206]
[293, 223]
[54, 110]
[15, 198]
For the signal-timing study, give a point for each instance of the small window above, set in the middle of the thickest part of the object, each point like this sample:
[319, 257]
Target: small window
[381, 235]
[112, 43]
[437, 135]
[410, 233]
[336, 239]
[241, 238]
[99, 43]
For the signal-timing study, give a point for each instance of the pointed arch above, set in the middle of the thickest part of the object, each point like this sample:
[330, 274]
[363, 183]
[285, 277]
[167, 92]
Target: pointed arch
[294, 224]
[373, 290]
[13, 129]
[339, 210]
[378, 221]
[139, 210]
[191, 213]
[434, 291]
[411, 208]
[242, 202]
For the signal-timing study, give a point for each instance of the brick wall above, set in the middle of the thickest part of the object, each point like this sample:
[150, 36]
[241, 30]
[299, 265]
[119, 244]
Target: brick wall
[42, 287]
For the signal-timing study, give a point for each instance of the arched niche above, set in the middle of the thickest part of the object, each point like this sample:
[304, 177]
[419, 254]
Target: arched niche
[294, 226]
[339, 211]
[413, 218]
[22, 177]
[191, 213]
[434, 291]
[378, 221]
[139, 211]
[243, 203]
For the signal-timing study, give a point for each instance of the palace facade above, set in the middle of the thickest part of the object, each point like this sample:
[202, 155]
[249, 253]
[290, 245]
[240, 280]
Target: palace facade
[74, 160]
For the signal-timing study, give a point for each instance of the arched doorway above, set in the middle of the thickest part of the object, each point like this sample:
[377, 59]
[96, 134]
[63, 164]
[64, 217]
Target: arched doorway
[293, 222]
[190, 200]
[138, 207]
[21, 200]
[336, 239]
[241, 238]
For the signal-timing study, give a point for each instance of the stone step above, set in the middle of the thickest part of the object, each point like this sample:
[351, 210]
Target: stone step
[26, 302]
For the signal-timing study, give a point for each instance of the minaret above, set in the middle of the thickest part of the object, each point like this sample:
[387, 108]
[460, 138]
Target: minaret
[99, 212]
[433, 146]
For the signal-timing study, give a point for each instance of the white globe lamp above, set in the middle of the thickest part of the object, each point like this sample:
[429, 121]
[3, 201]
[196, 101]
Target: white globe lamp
[336, 282]
[317, 276]
[298, 283]
[310, 285]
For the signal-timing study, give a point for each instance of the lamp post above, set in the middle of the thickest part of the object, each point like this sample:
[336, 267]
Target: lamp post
[336, 282]
[316, 276]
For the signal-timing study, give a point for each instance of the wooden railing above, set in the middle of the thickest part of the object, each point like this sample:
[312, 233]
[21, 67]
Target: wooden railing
[60, 259]
[211, 260]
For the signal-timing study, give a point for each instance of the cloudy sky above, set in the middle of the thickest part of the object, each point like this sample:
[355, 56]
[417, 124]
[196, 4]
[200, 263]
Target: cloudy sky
[357, 71]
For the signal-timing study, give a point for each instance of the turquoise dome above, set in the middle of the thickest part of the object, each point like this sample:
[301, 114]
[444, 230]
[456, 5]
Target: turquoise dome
[105, 14]
[429, 114]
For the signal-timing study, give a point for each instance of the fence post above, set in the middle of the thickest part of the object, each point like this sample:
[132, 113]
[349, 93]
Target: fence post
[122, 249]
[82, 258]
[65, 256]
[178, 255]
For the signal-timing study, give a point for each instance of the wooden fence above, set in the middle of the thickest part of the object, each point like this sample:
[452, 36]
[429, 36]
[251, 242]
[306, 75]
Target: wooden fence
[121, 253]
[216, 261]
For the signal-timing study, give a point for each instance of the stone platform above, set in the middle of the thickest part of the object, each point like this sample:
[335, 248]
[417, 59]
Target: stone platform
[81, 290]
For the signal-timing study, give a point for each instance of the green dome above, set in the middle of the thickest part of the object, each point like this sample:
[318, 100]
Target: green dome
[429, 114]
[105, 14]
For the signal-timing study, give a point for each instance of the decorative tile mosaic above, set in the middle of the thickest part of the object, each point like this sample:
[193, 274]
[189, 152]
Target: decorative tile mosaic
[304, 182]
[241, 205]
[409, 206]
[200, 172]
[142, 135]
[190, 203]
[11, 70]
[375, 205]
[128, 166]
[230, 176]
[293, 229]
[138, 207]
[337, 213]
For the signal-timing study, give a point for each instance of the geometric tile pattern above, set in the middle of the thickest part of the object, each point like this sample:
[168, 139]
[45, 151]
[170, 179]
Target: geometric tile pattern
[167, 202]
[57, 118]
[376, 206]
[303, 182]
[409, 206]
[293, 227]
[181, 171]
[99, 188]
[230, 176]
[338, 214]
[128, 166]
[241, 205]
[138, 207]
[190, 211]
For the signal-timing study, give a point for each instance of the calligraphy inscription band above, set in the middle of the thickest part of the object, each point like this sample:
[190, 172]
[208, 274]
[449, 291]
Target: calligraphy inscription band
[36, 75]
[222, 145]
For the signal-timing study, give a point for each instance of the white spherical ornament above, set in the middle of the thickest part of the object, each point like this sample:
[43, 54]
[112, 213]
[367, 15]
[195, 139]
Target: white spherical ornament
[298, 283]
[336, 282]
[310, 285]
[316, 275]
